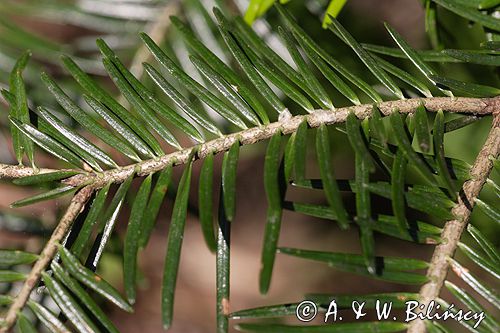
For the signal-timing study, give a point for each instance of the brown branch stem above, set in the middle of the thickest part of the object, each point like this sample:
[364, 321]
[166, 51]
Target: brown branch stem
[453, 229]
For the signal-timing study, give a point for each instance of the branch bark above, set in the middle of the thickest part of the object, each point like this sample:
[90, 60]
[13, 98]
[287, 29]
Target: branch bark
[453, 230]
[76, 206]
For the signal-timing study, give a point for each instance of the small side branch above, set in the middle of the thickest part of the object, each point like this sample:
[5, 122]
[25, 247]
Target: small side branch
[19, 171]
[453, 230]
[76, 206]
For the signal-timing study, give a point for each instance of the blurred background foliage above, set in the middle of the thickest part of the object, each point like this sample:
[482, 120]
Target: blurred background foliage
[50, 28]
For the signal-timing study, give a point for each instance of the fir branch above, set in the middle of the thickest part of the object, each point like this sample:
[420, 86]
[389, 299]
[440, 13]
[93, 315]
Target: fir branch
[453, 229]
[476, 106]
[286, 126]
[253, 135]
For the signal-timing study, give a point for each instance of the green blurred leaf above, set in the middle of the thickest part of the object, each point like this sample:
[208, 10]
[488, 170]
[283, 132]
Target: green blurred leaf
[474, 15]
[92, 280]
[438, 138]
[19, 109]
[24, 325]
[479, 259]
[333, 10]
[47, 143]
[273, 185]
[80, 145]
[466, 88]
[365, 57]
[15, 257]
[474, 57]
[229, 165]
[47, 318]
[69, 305]
[49, 195]
[205, 201]
[309, 80]
[398, 189]
[83, 297]
[45, 177]
[96, 208]
[101, 95]
[174, 244]
[323, 151]
[204, 52]
[155, 201]
[431, 24]
[387, 269]
[5, 300]
[487, 292]
[132, 237]
[11, 276]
